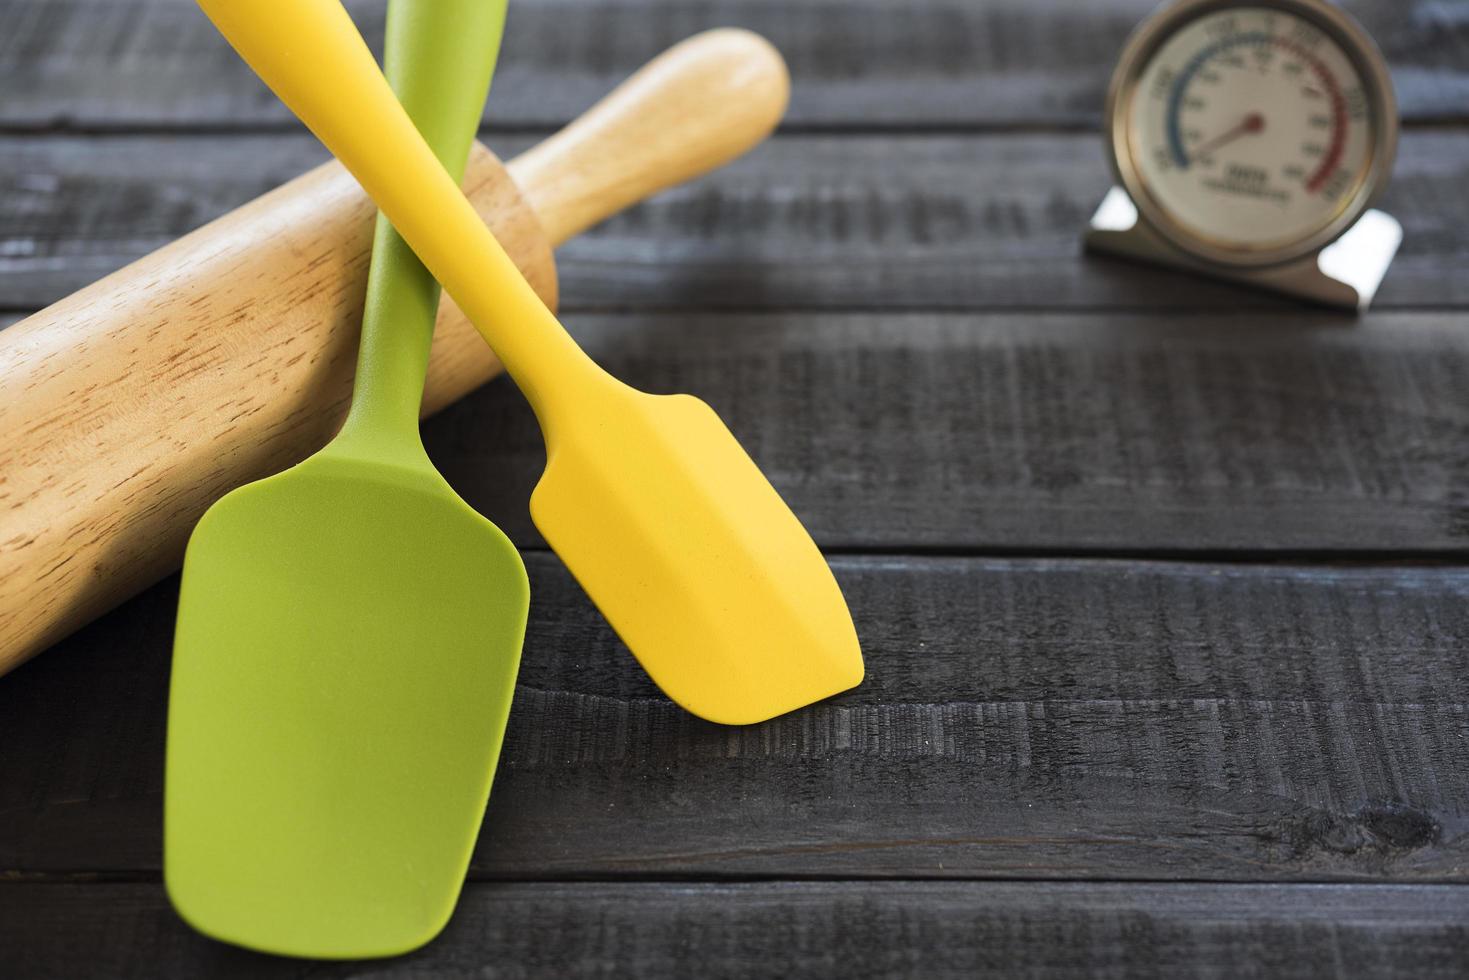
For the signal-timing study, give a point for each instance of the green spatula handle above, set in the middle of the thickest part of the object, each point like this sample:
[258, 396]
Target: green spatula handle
[439, 57]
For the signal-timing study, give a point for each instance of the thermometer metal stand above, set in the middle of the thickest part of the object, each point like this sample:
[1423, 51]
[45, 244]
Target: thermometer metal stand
[1344, 274]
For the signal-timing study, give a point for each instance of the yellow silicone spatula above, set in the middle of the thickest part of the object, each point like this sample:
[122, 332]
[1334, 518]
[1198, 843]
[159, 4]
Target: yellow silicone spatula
[659, 513]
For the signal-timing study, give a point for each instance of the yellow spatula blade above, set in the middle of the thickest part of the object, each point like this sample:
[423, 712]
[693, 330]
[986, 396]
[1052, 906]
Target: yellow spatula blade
[696, 561]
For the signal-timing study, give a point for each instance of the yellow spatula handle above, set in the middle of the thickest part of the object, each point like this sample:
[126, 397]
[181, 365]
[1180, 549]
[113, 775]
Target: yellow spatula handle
[311, 55]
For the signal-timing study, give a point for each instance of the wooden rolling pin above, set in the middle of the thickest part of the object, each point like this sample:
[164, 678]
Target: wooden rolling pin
[127, 408]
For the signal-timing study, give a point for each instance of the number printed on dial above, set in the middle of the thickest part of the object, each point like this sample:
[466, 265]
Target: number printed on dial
[1251, 129]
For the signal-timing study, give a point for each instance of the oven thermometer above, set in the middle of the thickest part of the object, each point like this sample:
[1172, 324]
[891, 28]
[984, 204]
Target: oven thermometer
[1249, 140]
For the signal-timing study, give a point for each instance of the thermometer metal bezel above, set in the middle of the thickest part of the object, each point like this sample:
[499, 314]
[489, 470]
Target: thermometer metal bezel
[1382, 111]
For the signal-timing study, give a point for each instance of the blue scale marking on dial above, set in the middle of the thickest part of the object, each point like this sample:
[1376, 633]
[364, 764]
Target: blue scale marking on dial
[1175, 97]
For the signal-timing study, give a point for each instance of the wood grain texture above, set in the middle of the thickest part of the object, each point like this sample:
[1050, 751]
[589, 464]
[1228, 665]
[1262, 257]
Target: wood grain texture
[844, 930]
[925, 63]
[1021, 719]
[1053, 432]
[912, 222]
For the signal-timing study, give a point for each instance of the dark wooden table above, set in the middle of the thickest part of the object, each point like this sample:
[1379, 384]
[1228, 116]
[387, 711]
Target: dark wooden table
[1163, 586]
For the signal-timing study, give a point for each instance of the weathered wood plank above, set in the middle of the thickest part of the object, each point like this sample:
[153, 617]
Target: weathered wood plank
[1123, 432]
[1054, 432]
[1021, 719]
[805, 929]
[948, 63]
[920, 222]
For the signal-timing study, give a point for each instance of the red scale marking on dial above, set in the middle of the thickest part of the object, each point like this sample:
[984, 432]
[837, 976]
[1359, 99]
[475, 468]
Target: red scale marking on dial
[1337, 149]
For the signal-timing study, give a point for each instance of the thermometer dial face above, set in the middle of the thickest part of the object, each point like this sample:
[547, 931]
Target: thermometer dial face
[1250, 133]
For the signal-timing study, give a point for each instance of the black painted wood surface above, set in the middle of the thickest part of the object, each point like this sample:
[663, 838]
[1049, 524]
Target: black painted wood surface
[857, 222]
[839, 929]
[917, 64]
[1162, 584]
[1023, 718]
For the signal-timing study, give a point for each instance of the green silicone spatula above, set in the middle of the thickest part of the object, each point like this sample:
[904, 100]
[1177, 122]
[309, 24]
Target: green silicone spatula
[349, 630]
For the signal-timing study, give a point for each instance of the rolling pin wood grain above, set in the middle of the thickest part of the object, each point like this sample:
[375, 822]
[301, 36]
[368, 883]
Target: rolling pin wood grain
[130, 406]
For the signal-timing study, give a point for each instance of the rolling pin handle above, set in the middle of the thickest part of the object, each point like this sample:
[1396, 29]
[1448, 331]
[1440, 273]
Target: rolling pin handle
[693, 108]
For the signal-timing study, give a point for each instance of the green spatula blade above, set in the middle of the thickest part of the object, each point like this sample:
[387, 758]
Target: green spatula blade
[329, 760]
[349, 630]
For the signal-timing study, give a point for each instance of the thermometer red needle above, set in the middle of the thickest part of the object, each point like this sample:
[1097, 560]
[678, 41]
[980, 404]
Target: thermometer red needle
[1253, 123]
